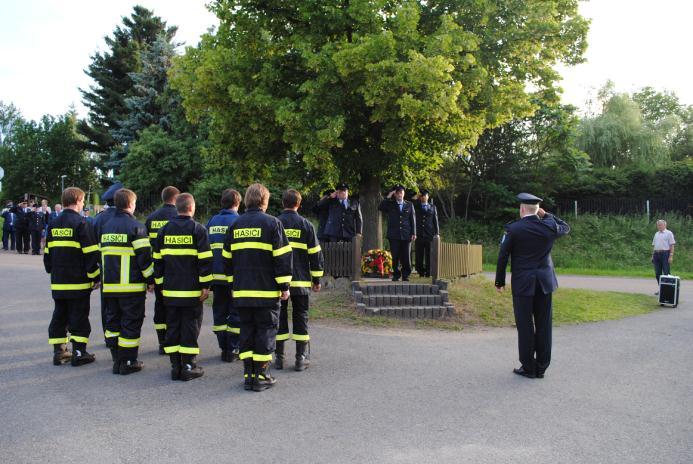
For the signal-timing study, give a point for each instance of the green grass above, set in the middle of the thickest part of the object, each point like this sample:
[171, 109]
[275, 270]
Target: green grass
[645, 272]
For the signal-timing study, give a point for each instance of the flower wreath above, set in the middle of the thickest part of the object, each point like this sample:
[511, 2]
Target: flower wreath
[377, 262]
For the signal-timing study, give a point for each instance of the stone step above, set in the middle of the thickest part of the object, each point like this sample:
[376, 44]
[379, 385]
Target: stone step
[400, 300]
[407, 312]
[399, 289]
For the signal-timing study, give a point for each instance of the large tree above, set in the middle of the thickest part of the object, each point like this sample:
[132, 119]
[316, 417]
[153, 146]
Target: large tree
[370, 91]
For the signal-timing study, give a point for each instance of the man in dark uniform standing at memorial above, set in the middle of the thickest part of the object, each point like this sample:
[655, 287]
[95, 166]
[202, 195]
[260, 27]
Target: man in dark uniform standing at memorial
[322, 213]
[426, 228]
[528, 242]
[401, 230]
[344, 219]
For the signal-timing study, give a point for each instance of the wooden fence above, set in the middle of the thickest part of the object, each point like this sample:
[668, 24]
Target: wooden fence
[343, 259]
[452, 260]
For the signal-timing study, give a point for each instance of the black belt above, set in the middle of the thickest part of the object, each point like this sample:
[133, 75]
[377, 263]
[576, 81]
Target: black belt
[662, 251]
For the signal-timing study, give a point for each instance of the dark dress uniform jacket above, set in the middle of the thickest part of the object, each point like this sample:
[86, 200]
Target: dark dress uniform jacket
[102, 218]
[71, 256]
[217, 227]
[426, 221]
[401, 225]
[37, 221]
[342, 222]
[257, 259]
[159, 218]
[126, 257]
[182, 261]
[529, 241]
[307, 254]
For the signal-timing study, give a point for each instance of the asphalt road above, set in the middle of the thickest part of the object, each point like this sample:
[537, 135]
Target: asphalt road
[617, 392]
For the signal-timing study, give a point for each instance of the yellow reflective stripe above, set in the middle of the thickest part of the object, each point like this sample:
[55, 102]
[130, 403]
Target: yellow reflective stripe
[252, 246]
[283, 279]
[78, 339]
[234, 330]
[64, 243]
[57, 341]
[91, 275]
[226, 254]
[189, 350]
[216, 246]
[47, 250]
[149, 271]
[158, 280]
[178, 252]
[317, 273]
[85, 286]
[229, 279]
[125, 288]
[219, 328]
[124, 269]
[315, 249]
[182, 293]
[300, 283]
[117, 251]
[245, 355]
[160, 326]
[109, 334]
[156, 255]
[281, 251]
[128, 342]
[262, 357]
[256, 293]
[204, 254]
[207, 278]
[140, 243]
[171, 349]
[282, 337]
[301, 338]
[152, 234]
[90, 249]
[299, 245]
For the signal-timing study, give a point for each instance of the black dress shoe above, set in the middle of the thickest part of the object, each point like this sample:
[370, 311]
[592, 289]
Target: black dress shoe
[540, 375]
[521, 371]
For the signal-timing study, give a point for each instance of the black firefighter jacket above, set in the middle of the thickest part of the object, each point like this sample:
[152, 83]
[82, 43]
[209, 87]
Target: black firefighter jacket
[307, 254]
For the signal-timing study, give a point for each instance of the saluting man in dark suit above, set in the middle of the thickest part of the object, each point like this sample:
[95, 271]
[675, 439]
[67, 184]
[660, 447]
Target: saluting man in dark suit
[427, 227]
[401, 230]
[344, 219]
[528, 243]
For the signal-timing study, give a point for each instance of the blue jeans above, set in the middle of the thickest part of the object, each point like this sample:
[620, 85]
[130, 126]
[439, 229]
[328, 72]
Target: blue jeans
[660, 259]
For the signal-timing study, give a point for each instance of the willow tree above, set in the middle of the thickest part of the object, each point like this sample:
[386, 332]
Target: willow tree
[369, 91]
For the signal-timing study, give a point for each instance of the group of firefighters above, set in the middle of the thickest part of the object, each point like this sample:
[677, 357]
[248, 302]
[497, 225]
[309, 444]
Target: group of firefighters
[253, 263]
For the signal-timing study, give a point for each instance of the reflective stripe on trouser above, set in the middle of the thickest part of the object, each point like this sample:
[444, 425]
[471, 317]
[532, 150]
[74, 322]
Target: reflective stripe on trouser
[124, 316]
[224, 316]
[70, 315]
[182, 329]
[299, 311]
[258, 331]
[159, 316]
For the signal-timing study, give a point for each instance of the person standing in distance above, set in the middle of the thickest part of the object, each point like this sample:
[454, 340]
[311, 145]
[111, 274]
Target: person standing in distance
[344, 219]
[153, 223]
[662, 250]
[426, 228]
[257, 260]
[322, 213]
[401, 231]
[528, 242]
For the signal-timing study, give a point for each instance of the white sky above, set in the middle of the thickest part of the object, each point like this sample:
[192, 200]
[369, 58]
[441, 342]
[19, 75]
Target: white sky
[46, 44]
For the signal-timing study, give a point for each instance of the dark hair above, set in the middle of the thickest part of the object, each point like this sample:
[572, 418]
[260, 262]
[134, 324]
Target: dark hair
[169, 194]
[291, 198]
[124, 197]
[230, 198]
[184, 202]
[71, 196]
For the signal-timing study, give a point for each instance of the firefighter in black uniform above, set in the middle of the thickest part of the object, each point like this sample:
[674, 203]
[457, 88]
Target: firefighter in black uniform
[71, 258]
[22, 227]
[183, 271]
[307, 270]
[426, 228]
[322, 211]
[258, 262]
[153, 223]
[344, 218]
[401, 230]
[37, 224]
[126, 270]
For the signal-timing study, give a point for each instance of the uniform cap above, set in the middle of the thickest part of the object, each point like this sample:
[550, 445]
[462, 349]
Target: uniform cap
[398, 187]
[110, 193]
[529, 199]
[424, 192]
[342, 186]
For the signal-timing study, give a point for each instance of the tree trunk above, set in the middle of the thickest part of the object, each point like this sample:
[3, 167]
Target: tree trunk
[370, 198]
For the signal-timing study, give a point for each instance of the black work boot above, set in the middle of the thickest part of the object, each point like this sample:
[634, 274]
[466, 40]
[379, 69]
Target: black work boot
[248, 374]
[226, 356]
[114, 358]
[60, 354]
[80, 355]
[263, 379]
[161, 335]
[175, 366]
[188, 369]
[130, 366]
[302, 356]
[279, 356]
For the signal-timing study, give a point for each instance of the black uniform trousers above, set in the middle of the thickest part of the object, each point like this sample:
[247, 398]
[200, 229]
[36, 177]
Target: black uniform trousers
[70, 315]
[123, 317]
[401, 254]
[22, 240]
[227, 324]
[159, 315]
[423, 257]
[259, 332]
[36, 241]
[8, 238]
[182, 328]
[660, 259]
[533, 316]
[299, 318]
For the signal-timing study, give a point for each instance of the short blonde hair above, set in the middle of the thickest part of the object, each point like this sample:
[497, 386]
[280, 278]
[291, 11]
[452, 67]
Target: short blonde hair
[124, 197]
[71, 196]
[257, 196]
